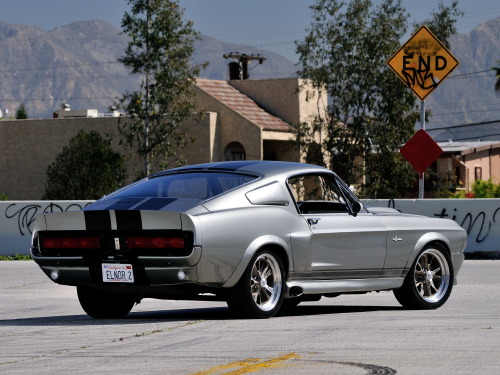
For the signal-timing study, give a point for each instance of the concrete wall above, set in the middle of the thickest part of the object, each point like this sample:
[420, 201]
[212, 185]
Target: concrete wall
[28, 147]
[480, 217]
[17, 218]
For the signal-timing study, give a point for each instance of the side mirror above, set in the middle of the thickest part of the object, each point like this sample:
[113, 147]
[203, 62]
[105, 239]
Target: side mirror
[356, 208]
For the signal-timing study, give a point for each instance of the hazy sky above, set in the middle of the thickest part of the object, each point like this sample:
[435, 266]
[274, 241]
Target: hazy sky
[270, 24]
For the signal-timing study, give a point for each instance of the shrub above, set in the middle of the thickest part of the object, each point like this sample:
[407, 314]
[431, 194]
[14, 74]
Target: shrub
[87, 168]
[481, 189]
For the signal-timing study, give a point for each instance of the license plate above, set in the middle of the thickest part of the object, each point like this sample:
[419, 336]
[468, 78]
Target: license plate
[117, 273]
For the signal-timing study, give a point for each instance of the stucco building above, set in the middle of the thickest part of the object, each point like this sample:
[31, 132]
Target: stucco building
[470, 161]
[251, 119]
[244, 119]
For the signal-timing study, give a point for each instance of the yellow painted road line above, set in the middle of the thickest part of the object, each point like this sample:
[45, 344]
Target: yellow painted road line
[248, 365]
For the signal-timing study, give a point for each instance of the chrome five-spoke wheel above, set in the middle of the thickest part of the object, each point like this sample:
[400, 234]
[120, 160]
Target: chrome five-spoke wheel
[259, 293]
[432, 275]
[430, 280]
[266, 282]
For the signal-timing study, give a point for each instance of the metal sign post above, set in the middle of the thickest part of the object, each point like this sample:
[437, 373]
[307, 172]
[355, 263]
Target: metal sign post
[422, 63]
[422, 126]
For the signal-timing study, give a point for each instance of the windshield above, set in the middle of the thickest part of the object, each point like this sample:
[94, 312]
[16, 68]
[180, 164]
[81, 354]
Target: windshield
[193, 185]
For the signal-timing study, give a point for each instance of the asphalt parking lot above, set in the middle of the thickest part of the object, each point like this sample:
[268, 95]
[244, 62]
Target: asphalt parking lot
[44, 331]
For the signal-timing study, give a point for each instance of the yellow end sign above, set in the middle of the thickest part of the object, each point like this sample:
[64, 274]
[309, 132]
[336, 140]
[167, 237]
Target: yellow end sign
[423, 62]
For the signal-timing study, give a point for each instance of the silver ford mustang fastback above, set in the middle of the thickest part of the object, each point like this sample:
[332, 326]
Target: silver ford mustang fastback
[263, 236]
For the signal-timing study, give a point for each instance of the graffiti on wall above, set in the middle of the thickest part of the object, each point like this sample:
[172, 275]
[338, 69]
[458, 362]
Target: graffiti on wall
[480, 222]
[25, 214]
[17, 219]
[479, 217]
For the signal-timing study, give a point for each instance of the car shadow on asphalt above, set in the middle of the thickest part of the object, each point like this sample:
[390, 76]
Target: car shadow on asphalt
[181, 315]
[310, 310]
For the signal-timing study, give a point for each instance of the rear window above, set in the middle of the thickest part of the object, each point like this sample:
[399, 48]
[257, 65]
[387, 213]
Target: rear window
[195, 185]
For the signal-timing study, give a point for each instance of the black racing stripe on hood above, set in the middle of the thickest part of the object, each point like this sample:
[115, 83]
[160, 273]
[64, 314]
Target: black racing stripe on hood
[128, 220]
[97, 220]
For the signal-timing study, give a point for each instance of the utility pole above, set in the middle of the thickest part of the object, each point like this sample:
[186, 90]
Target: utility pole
[239, 69]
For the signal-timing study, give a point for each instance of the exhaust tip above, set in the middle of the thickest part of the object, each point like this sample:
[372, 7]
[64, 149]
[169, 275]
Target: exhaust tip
[295, 291]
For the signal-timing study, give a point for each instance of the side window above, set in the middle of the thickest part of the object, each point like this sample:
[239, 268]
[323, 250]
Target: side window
[317, 194]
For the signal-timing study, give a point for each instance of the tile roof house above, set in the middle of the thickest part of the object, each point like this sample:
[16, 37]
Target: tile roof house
[470, 161]
[247, 119]
[242, 104]
[253, 119]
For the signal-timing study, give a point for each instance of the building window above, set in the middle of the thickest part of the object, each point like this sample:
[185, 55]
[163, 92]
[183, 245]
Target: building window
[234, 151]
[478, 173]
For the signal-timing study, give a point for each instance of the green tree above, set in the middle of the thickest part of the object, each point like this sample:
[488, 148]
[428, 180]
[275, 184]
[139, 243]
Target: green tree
[21, 113]
[160, 48]
[87, 168]
[371, 114]
[443, 21]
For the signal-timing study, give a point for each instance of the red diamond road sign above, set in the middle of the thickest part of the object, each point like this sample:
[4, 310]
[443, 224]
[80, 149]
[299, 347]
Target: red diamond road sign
[421, 151]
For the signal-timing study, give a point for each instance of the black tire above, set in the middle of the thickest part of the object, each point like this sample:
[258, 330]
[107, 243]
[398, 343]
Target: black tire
[429, 281]
[259, 293]
[101, 305]
[289, 305]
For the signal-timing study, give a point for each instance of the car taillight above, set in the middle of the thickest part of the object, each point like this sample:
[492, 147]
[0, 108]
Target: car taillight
[155, 243]
[71, 243]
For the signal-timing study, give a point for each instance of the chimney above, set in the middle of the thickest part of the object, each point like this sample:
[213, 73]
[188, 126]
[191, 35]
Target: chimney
[239, 69]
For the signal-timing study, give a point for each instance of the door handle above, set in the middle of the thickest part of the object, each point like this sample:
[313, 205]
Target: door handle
[313, 220]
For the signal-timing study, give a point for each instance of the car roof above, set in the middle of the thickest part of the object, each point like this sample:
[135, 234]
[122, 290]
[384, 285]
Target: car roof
[261, 167]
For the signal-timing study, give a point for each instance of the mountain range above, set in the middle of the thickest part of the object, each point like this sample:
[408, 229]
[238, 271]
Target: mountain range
[466, 101]
[77, 64]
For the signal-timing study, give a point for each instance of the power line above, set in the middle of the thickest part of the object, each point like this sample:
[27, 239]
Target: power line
[481, 12]
[466, 125]
[467, 75]
[455, 139]
[462, 112]
[448, 108]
